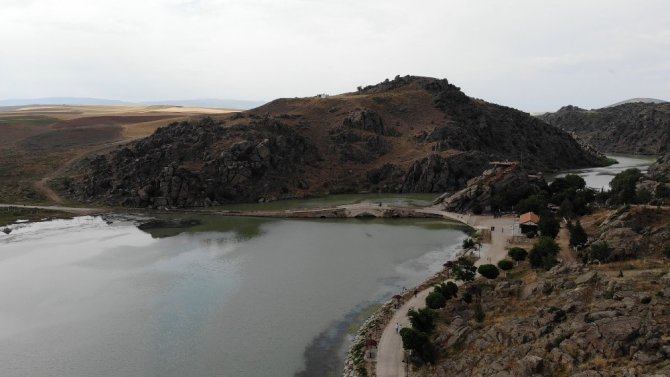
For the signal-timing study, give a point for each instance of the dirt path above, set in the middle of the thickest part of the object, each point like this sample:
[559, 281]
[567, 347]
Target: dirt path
[566, 253]
[42, 185]
[390, 351]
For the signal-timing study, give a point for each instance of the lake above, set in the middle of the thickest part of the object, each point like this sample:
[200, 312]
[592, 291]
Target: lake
[96, 296]
[600, 177]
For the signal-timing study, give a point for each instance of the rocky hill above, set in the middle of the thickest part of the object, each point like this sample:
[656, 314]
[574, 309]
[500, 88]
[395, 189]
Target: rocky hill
[660, 170]
[638, 127]
[410, 134]
[574, 320]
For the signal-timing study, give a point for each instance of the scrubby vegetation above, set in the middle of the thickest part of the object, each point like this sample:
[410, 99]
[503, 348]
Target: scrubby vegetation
[543, 254]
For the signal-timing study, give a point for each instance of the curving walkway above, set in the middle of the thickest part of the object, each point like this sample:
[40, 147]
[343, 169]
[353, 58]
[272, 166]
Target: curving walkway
[390, 352]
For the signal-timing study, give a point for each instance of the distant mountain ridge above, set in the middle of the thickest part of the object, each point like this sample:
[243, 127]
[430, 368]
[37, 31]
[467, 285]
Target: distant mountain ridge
[86, 101]
[635, 127]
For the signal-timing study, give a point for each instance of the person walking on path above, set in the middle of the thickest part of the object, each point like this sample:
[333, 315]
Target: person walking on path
[397, 328]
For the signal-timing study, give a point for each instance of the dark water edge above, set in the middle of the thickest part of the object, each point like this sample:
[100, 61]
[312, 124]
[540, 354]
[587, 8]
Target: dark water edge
[324, 356]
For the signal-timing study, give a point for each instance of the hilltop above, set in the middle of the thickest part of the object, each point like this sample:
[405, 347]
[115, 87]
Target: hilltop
[636, 127]
[410, 134]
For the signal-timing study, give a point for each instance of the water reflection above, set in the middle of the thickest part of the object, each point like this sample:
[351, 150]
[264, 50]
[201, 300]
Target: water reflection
[222, 296]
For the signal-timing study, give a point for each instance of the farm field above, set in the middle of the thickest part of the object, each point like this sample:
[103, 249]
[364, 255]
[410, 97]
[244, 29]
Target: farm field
[40, 142]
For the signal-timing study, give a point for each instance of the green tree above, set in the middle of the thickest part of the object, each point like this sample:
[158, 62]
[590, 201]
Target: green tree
[570, 181]
[423, 319]
[448, 290]
[463, 269]
[567, 208]
[518, 254]
[505, 265]
[419, 343]
[452, 288]
[549, 226]
[535, 203]
[435, 300]
[468, 243]
[578, 236]
[623, 185]
[488, 271]
[543, 254]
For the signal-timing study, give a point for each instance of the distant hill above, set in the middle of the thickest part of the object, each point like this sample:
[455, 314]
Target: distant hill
[85, 101]
[410, 134]
[637, 100]
[635, 127]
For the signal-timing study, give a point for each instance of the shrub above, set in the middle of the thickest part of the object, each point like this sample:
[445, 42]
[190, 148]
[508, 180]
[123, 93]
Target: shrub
[479, 313]
[600, 251]
[452, 288]
[422, 320]
[488, 271]
[467, 297]
[435, 300]
[463, 269]
[543, 254]
[447, 290]
[506, 265]
[517, 253]
[666, 251]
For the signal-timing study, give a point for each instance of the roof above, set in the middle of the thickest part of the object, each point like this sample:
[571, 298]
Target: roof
[529, 218]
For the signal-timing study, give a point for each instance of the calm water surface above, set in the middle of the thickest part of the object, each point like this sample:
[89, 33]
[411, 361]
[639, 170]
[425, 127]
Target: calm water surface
[600, 178]
[230, 297]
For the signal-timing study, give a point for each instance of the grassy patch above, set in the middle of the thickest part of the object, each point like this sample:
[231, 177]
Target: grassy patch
[9, 215]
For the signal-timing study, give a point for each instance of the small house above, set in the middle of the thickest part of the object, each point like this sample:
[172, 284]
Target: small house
[528, 222]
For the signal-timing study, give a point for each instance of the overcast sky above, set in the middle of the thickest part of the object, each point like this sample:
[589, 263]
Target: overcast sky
[529, 54]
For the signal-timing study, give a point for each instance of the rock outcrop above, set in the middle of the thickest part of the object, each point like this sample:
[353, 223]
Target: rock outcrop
[200, 164]
[642, 128]
[500, 177]
[602, 326]
[660, 170]
[633, 232]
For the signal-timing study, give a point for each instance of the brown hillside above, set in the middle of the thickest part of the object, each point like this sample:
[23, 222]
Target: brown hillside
[411, 134]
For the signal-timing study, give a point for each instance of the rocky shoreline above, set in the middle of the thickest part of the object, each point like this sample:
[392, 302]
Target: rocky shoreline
[355, 363]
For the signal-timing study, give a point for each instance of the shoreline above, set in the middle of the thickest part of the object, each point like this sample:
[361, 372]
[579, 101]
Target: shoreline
[356, 362]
